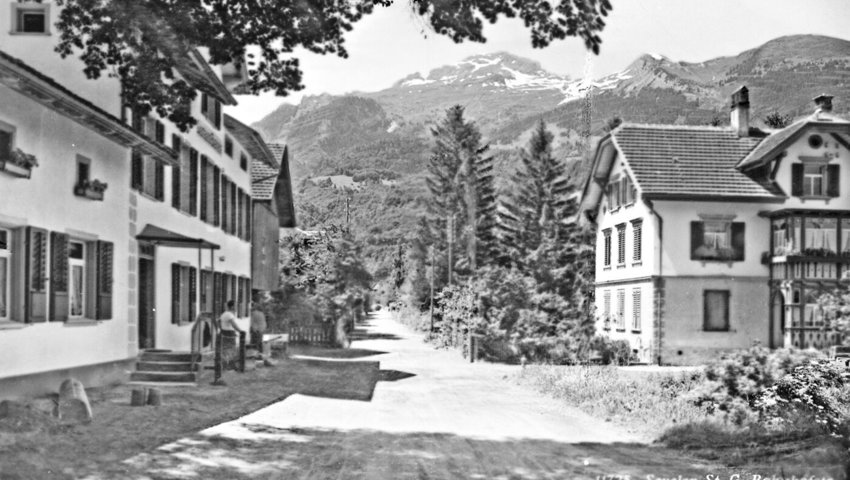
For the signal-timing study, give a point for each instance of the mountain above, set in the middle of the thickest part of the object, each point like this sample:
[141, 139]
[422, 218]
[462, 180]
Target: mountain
[380, 141]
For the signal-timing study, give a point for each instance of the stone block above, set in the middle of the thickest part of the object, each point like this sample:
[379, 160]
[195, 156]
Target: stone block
[138, 397]
[73, 402]
[154, 397]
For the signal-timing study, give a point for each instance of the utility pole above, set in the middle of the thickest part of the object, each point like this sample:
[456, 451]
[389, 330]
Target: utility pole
[433, 267]
[451, 240]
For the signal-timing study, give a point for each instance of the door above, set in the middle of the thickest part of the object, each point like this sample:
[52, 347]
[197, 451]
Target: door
[147, 309]
[777, 321]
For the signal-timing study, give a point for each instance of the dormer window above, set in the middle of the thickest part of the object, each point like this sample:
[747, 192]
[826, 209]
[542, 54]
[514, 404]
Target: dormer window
[814, 179]
[31, 18]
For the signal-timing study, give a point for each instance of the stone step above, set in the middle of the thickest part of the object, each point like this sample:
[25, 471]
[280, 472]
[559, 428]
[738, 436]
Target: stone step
[168, 356]
[166, 366]
[144, 376]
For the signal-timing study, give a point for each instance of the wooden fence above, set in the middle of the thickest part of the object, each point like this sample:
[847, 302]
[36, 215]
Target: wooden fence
[320, 334]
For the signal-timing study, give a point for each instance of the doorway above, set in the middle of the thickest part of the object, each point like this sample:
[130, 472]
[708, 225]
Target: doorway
[777, 321]
[147, 307]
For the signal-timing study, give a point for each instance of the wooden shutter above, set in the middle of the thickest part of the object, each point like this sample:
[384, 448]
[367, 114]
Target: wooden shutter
[193, 182]
[218, 295]
[159, 132]
[159, 180]
[216, 199]
[175, 293]
[137, 170]
[832, 178]
[697, 238]
[35, 291]
[204, 103]
[738, 240]
[233, 209]
[238, 209]
[249, 217]
[797, 179]
[58, 276]
[193, 293]
[175, 186]
[217, 113]
[104, 279]
[225, 190]
[204, 188]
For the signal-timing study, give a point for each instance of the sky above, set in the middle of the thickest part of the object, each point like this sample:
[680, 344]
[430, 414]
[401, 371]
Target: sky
[393, 42]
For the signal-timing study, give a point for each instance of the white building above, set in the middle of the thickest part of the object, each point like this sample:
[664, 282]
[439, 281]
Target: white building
[89, 277]
[712, 238]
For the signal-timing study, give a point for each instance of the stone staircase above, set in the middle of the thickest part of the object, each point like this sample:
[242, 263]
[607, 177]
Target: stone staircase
[167, 367]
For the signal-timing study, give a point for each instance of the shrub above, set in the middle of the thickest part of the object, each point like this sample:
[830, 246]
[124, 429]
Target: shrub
[813, 390]
[612, 352]
[735, 381]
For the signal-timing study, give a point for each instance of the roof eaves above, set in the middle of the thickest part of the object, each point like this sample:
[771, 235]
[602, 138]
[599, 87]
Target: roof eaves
[53, 95]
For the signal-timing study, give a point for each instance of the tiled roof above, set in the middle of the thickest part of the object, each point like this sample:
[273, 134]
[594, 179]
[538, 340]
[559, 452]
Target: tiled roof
[250, 140]
[771, 142]
[671, 160]
[263, 179]
[277, 150]
[789, 134]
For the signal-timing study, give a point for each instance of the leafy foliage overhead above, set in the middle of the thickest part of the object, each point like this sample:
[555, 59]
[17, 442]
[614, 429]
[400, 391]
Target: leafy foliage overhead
[140, 41]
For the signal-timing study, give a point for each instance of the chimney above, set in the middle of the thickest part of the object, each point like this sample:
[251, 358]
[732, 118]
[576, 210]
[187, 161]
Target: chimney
[823, 102]
[741, 111]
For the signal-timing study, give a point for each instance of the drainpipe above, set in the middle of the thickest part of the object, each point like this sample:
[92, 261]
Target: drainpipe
[660, 278]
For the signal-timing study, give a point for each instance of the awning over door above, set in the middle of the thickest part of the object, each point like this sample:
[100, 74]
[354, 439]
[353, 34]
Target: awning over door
[167, 238]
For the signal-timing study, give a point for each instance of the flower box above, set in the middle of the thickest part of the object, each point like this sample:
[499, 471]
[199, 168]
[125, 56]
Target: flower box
[18, 163]
[91, 189]
[15, 169]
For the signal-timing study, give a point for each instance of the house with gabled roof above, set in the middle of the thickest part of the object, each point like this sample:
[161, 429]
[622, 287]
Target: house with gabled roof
[715, 238]
[272, 206]
[119, 233]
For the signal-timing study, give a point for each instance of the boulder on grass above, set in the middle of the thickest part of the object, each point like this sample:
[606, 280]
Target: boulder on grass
[73, 402]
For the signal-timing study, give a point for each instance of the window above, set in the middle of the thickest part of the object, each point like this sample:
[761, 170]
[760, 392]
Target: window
[83, 170]
[636, 309]
[5, 273]
[719, 240]
[183, 293]
[147, 176]
[637, 227]
[159, 132]
[228, 146]
[814, 179]
[606, 249]
[606, 308]
[716, 310]
[621, 244]
[621, 309]
[31, 18]
[211, 109]
[7, 140]
[243, 162]
[620, 192]
[77, 279]
[821, 236]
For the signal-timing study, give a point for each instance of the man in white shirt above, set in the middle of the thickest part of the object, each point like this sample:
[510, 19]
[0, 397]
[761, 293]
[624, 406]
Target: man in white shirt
[230, 335]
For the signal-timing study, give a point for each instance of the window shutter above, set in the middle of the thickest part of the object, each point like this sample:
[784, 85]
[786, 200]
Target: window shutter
[159, 134]
[217, 120]
[233, 208]
[175, 293]
[797, 179]
[159, 179]
[697, 238]
[137, 171]
[103, 301]
[204, 103]
[217, 296]
[204, 189]
[637, 228]
[216, 198]
[193, 293]
[58, 276]
[832, 179]
[738, 240]
[193, 183]
[35, 301]
[240, 221]
[175, 186]
[249, 218]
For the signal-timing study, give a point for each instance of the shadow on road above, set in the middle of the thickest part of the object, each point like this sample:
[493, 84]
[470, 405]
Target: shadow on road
[346, 380]
[333, 353]
[363, 334]
[261, 451]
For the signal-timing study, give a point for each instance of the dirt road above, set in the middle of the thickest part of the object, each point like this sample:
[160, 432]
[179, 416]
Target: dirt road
[429, 415]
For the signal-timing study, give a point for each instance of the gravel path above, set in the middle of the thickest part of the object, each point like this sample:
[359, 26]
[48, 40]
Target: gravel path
[431, 415]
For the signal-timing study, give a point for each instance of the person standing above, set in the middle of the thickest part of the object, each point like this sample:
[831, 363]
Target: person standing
[258, 327]
[230, 331]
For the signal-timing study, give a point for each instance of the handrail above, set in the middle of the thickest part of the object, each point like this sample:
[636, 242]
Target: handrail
[197, 335]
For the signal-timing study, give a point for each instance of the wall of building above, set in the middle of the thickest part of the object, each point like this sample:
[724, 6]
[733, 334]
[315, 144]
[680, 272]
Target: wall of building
[641, 339]
[37, 51]
[234, 257]
[266, 245]
[685, 341]
[46, 200]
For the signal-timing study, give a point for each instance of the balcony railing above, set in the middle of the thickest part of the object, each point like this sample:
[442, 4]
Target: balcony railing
[812, 337]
